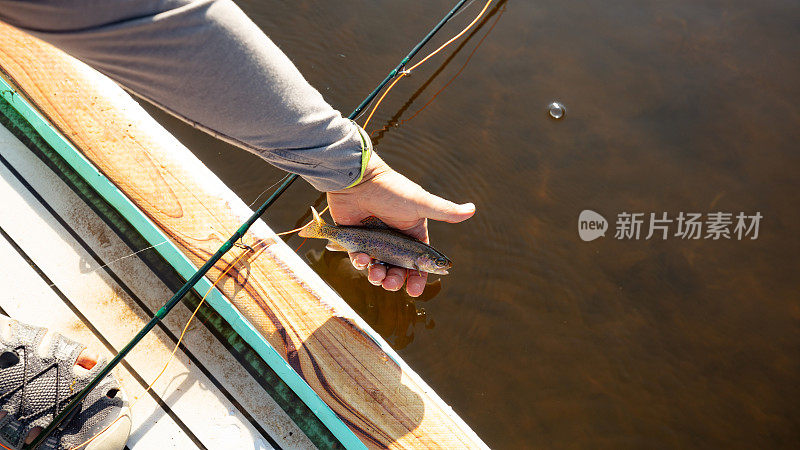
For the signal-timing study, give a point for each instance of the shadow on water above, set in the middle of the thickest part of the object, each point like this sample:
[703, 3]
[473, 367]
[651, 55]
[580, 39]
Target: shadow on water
[394, 315]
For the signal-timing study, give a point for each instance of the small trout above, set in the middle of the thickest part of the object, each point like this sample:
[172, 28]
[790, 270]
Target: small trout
[380, 242]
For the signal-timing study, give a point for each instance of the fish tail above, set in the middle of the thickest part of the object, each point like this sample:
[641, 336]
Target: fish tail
[313, 229]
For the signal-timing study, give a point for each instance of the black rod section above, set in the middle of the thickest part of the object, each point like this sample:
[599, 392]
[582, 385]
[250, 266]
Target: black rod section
[405, 60]
[157, 317]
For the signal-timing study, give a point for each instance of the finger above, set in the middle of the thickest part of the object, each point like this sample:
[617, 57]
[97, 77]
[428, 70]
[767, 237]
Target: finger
[437, 208]
[360, 260]
[416, 282]
[395, 277]
[376, 274]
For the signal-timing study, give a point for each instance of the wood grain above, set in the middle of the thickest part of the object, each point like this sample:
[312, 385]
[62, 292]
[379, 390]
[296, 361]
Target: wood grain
[383, 403]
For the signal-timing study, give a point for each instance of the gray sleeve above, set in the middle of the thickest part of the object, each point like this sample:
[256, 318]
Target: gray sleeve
[206, 62]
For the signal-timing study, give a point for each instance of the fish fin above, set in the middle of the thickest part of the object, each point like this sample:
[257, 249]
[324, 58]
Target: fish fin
[312, 229]
[317, 219]
[374, 222]
[334, 247]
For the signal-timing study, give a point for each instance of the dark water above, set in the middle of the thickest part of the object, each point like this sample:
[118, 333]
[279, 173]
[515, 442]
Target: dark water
[537, 338]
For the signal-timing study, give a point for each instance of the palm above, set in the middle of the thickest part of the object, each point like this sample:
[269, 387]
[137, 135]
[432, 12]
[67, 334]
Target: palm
[378, 198]
[401, 204]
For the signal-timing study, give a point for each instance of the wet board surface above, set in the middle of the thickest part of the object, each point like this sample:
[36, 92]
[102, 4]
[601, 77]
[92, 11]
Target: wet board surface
[52, 247]
[375, 396]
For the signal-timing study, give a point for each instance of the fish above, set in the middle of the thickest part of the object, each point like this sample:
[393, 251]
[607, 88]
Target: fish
[380, 242]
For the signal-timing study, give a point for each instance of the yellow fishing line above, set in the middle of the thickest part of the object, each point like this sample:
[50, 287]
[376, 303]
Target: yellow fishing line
[298, 229]
[174, 350]
[408, 71]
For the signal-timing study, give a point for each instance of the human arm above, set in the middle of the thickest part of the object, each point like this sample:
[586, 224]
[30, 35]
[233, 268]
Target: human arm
[207, 63]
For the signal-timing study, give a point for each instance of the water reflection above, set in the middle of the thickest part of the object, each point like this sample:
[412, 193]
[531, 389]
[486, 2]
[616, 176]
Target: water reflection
[394, 315]
[395, 121]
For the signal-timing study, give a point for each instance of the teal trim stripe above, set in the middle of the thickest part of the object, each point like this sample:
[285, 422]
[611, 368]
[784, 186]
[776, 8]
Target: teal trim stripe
[182, 264]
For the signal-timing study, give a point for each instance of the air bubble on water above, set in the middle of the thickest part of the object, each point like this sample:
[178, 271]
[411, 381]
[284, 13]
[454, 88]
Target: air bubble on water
[556, 110]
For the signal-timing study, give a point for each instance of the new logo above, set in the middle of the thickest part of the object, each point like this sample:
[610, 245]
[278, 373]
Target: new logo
[591, 225]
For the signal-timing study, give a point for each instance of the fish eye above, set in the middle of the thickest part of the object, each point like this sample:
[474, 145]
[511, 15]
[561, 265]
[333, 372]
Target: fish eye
[441, 262]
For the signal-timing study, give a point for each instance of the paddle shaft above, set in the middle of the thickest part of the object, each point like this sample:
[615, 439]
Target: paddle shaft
[201, 272]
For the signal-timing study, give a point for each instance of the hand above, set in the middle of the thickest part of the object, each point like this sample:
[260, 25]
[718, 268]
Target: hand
[401, 204]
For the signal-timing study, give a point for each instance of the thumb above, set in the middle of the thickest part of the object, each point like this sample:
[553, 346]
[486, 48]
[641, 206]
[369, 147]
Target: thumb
[437, 208]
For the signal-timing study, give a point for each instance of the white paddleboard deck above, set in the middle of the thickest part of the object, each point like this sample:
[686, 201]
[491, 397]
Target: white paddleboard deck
[52, 249]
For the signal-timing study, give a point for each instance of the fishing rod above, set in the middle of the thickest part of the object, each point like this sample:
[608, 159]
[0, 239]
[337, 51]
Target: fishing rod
[201, 272]
[377, 135]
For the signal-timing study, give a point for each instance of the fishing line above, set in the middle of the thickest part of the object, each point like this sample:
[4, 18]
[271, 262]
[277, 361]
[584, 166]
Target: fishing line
[266, 190]
[168, 306]
[378, 134]
[118, 259]
[300, 228]
[408, 71]
[164, 242]
[466, 7]
[463, 66]
[227, 245]
[459, 10]
[174, 350]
